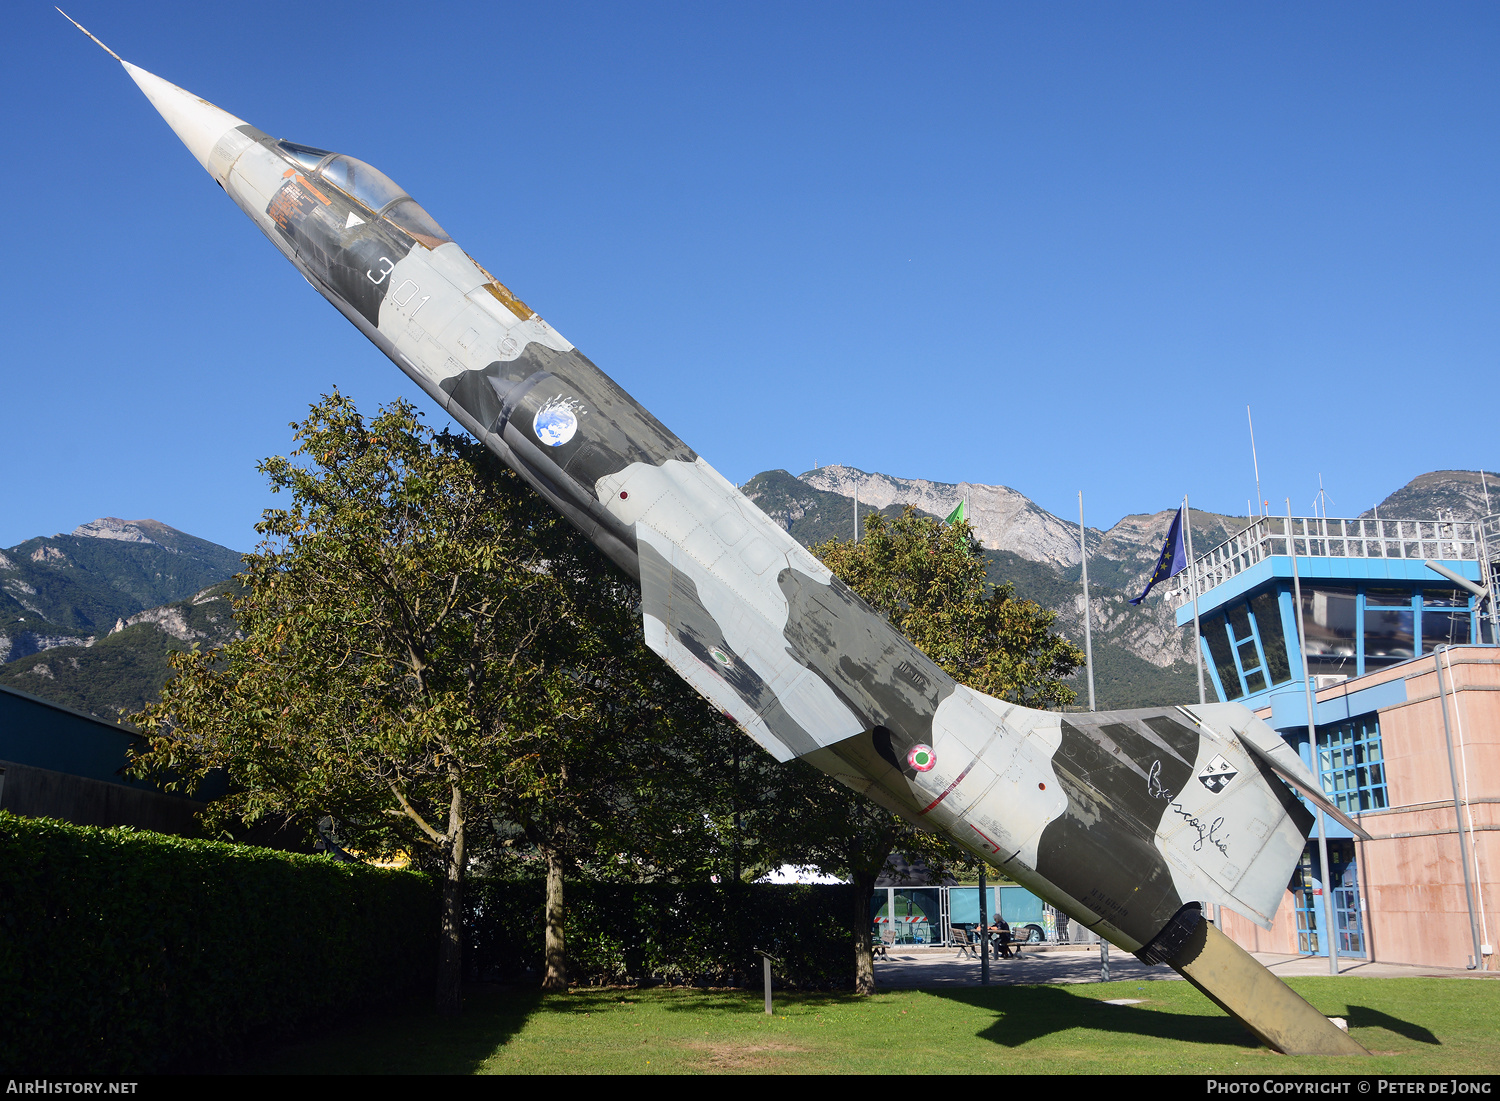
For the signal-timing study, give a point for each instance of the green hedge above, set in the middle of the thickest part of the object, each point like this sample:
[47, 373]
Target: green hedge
[659, 932]
[133, 952]
[136, 952]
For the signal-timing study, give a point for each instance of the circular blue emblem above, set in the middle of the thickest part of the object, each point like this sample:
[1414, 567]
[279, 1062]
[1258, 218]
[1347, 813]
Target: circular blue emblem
[555, 423]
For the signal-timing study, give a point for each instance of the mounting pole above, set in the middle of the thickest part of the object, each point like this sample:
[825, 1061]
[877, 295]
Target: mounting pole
[766, 962]
[1259, 500]
[1187, 531]
[1088, 633]
[984, 929]
[1330, 932]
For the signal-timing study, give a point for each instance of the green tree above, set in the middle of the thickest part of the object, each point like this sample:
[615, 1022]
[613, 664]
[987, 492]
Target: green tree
[427, 649]
[808, 818]
[622, 782]
[928, 579]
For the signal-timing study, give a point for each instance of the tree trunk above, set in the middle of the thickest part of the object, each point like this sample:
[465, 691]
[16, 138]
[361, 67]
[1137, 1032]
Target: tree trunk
[450, 967]
[864, 962]
[555, 954]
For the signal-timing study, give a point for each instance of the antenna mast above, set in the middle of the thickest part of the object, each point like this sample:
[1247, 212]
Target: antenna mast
[1260, 502]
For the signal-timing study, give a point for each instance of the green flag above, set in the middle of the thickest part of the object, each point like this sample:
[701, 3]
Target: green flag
[956, 515]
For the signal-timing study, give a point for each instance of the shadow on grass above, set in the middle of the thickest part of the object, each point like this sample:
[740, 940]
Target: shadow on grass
[1025, 1013]
[745, 1000]
[416, 1040]
[1029, 1013]
[1363, 1017]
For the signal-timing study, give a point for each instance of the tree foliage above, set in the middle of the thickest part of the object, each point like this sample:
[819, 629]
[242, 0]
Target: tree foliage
[429, 652]
[434, 659]
[928, 579]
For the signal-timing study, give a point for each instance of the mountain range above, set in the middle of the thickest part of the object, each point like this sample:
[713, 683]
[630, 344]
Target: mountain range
[87, 619]
[1141, 657]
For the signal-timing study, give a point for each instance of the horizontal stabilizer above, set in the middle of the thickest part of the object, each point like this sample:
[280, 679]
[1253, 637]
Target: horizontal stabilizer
[1282, 759]
[1309, 791]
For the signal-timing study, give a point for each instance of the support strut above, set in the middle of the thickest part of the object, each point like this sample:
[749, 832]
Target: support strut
[1242, 987]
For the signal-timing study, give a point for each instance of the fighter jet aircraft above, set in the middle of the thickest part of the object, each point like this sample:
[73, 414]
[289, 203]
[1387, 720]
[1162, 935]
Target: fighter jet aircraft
[1129, 821]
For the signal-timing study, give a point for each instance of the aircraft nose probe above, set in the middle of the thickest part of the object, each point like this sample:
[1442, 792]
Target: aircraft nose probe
[86, 31]
[198, 123]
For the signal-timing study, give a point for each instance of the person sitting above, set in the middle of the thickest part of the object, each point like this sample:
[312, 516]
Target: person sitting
[1002, 938]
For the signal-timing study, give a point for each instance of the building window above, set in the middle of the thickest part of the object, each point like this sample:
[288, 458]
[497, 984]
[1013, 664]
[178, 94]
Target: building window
[1350, 764]
[1350, 630]
[1445, 618]
[1247, 646]
[1330, 618]
[1353, 631]
[1390, 627]
[1267, 612]
[1308, 883]
[1221, 649]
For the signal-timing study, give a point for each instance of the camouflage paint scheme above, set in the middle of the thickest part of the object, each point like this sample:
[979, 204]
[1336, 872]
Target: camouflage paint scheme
[1127, 821]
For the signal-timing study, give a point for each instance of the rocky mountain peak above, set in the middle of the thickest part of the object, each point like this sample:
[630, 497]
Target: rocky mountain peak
[1460, 494]
[125, 531]
[1002, 518]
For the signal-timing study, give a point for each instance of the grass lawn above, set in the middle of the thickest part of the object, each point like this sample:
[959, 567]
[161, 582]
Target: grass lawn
[1414, 1026]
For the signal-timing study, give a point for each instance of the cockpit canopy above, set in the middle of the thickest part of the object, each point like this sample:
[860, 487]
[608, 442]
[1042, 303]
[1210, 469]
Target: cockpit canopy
[304, 157]
[370, 187]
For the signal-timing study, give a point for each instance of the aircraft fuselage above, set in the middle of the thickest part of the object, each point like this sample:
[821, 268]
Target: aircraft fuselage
[1125, 821]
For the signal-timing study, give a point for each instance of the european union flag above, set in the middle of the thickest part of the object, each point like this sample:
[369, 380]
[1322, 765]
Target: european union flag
[1173, 558]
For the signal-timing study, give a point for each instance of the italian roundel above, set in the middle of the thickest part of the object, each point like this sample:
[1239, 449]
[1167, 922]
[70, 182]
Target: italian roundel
[921, 758]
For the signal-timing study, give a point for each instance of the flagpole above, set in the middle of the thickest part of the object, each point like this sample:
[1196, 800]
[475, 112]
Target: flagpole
[1330, 931]
[1187, 529]
[1088, 636]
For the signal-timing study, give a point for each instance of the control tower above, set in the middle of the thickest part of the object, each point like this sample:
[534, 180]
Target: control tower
[1401, 626]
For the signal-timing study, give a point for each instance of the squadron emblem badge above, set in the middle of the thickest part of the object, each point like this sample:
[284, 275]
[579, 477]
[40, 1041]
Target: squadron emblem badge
[555, 422]
[1217, 774]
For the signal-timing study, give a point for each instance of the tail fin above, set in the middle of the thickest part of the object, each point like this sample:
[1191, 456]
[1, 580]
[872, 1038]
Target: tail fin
[1179, 797]
[1266, 744]
[1119, 818]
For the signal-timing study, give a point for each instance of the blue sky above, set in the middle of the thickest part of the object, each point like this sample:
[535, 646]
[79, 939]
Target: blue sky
[1053, 246]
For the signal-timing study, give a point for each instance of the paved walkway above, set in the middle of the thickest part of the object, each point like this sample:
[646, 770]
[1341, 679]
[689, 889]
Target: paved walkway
[935, 968]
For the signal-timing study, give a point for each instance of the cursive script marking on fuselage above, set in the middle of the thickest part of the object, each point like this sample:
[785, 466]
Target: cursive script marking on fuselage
[1209, 833]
